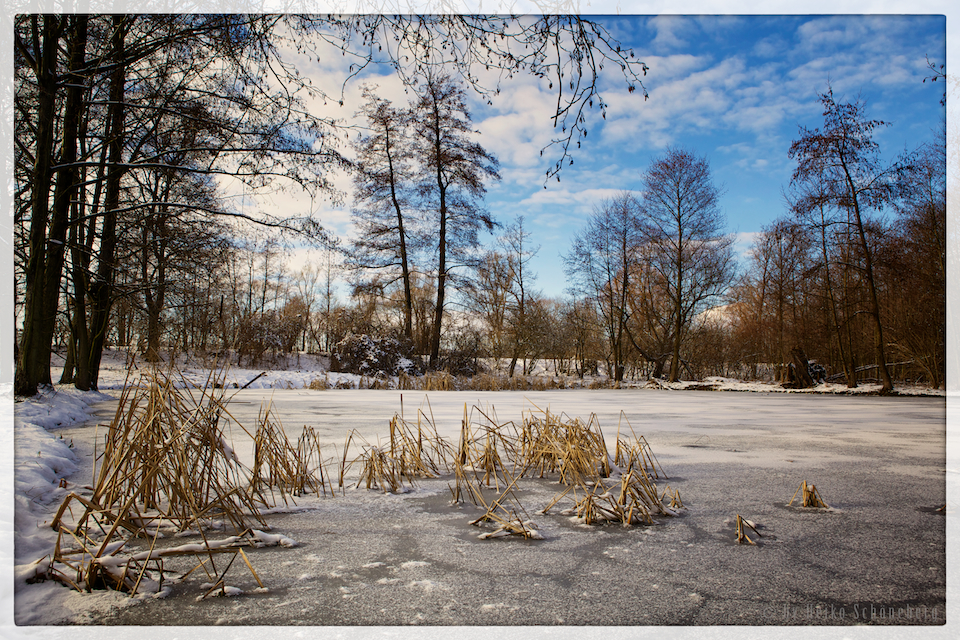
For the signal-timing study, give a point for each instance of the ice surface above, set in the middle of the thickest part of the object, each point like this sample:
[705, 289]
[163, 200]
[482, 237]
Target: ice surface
[413, 559]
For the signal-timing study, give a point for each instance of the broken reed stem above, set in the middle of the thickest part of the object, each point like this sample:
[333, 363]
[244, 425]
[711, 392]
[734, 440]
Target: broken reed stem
[810, 497]
[741, 534]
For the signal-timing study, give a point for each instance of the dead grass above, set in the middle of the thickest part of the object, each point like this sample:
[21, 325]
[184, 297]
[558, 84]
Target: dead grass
[320, 384]
[444, 381]
[166, 466]
[601, 488]
[279, 466]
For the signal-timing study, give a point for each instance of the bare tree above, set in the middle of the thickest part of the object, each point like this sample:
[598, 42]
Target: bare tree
[451, 185]
[914, 263]
[387, 234]
[684, 226]
[579, 324]
[809, 202]
[782, 247]
[650, 325]
[602, 264]
[524, 307]
[489, 293]
[845, 158]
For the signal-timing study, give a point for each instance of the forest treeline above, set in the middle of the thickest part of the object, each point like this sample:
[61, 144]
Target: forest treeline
[126, 127]
[124, 237]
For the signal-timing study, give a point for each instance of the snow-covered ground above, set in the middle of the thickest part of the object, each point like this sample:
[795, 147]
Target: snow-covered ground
[870, 456]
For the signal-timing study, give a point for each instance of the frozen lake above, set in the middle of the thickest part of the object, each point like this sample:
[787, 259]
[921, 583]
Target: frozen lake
[372, 559]
[673, 416]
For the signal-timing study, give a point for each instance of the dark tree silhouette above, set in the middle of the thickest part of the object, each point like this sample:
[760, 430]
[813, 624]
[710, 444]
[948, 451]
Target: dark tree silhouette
[684, 227]
[385, 202]
[451, 184]
[844, 157]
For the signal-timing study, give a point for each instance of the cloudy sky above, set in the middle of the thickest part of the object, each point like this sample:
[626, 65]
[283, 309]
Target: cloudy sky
[734, 89]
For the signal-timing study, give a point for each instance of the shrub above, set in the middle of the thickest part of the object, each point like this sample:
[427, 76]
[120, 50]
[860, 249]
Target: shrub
[369, 356]
[464, 363]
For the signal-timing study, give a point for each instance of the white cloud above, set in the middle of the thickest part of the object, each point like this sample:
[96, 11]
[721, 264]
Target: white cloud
[744, 241]
[668, 29]
[582, 200]
[693, 100]
[520, 127]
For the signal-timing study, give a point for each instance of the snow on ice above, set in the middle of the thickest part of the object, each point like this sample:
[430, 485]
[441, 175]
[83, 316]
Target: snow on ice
[45, 463]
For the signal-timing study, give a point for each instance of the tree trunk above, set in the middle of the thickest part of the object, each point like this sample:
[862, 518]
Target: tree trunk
[678, 311]
[101, 291]
[154, 241]
[404, 260]
[513, 365]
[800, 369]
[70, 362]
[33, 362]
[441, 288]
[885, 379]
[442, 247]
[848, 368]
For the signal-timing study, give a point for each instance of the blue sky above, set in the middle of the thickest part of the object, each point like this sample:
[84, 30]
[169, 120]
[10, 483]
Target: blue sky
[734, 89]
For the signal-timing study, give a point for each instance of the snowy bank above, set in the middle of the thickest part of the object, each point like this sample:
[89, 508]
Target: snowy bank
[43, 461]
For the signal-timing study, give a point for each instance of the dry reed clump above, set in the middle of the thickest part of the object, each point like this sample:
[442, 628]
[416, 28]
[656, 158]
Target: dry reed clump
[320, 384]
[511, 520]
[421, 452]
[493, 382]
[504, 511]
[675, 501]
[278, 465]
[629, 499]
[165, 469]
[602, 488]
[486, 450]
[379, 470]
[407, 382]
[555, 444]
[810, 497]
[445, 381]
[603, 383]
[166, 460]
[375, 382]
[414, 450]
[438, 381]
